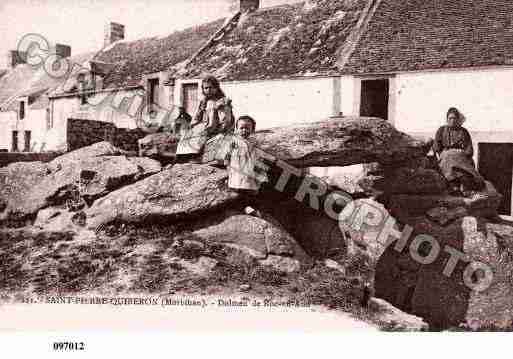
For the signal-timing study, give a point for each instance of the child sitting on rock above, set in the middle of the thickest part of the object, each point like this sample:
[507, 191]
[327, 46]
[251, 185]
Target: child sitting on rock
[244, 176]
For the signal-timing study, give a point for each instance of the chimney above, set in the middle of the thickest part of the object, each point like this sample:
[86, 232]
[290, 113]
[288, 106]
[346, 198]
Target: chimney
[113, 32]
[62, 50]
[15, 57]
[248, 5]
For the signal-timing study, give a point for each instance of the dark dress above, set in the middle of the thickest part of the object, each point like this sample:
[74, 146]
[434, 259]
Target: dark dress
[454, 147]
[453, 138]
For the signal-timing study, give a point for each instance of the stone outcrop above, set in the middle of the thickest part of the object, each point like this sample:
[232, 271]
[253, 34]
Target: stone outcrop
[98, 149]
[395, 319]
[15, 181]
[80, 176]
[334, 142]
[438, 289]
[449, 294]
[256, 240]
[180, 192]
[59, 219]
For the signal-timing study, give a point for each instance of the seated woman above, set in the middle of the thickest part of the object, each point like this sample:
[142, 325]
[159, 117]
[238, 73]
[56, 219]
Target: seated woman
[213, 116]
[453, 145]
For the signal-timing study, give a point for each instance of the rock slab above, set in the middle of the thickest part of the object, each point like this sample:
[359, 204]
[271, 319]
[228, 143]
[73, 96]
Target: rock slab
[334, 142]
[182, 191]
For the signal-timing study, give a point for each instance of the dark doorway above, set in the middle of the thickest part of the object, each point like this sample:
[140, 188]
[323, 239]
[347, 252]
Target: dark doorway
[14, 147]
[153, 94]
[27, 141]
[495, 163]
[374, 98]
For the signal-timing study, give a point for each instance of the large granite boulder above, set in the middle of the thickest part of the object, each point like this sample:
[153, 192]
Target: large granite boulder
[59, 219]
[75, 178]
[333, 142]
[183, 191]
[98, 149]
[447, 292]
[431, 221]
[393, 319]
[15, 181]
[254, 240]
[323, 237]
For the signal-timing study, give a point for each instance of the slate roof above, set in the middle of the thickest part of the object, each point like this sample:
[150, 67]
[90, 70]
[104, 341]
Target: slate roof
[26, 80]
[304, 39]
[133, 59]
[128, 61]
[410, 35]
[284, 41]
[14, 81]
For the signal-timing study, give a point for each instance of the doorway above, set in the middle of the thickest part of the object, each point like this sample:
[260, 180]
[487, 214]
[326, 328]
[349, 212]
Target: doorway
[495, 163]
[14, 141]
[27, 141]
[374, 98]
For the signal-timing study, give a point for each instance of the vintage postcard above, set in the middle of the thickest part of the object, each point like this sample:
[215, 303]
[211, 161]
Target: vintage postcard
[320, 165]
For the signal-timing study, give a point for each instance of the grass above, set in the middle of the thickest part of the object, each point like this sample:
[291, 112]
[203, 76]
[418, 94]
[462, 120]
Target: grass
[124, 260]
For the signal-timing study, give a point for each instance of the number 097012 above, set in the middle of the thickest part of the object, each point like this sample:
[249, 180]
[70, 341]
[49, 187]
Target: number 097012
[68, 346]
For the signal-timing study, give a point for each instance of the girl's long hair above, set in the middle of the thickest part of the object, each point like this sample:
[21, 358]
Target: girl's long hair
[215, 83]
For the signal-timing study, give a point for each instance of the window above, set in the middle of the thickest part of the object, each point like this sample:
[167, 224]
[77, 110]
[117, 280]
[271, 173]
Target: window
[153, 94]
[27, 141]
[83, 99]
[22, 110]
[14, 147]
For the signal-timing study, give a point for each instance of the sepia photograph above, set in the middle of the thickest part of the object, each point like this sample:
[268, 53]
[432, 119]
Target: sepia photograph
[336, 165]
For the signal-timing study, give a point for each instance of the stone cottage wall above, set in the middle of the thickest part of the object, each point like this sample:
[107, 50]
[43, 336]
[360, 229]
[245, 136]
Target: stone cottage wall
[81, 133]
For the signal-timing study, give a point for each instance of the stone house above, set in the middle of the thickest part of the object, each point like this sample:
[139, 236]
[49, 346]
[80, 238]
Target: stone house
[25, 108]
[36, 104]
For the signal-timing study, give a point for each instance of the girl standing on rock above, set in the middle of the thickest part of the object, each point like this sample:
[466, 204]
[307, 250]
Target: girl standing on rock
[213, 116]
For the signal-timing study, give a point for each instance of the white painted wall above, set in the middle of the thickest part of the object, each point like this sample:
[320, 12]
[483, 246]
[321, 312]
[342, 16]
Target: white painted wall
[120, 108]
[34, 121]
[484, 96]
[7, 125]
[350, 91]
[126, 108]
[62, 108]
[283, 102]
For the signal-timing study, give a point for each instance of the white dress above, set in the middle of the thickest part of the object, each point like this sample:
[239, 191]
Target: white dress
[242, 157]
[217, 118]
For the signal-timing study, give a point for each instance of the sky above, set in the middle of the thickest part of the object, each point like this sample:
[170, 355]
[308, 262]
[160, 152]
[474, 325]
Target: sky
[80, 23]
